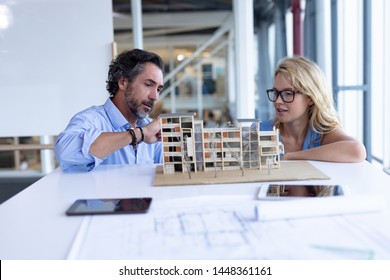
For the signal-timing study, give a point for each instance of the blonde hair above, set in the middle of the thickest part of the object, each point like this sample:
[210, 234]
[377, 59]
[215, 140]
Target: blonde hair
[307, 78]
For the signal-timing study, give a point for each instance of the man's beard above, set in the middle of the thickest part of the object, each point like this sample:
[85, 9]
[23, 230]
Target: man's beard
[134, 105]
[135, 108]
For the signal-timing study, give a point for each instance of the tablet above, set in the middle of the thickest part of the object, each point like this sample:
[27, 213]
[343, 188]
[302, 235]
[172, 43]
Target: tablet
[109, 206]
[276, 191]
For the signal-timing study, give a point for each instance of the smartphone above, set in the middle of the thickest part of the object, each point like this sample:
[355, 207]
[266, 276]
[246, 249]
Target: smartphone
[275, 191]
[109, 206]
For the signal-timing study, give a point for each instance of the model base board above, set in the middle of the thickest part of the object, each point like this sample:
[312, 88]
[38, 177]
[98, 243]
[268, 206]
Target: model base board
[289, 171]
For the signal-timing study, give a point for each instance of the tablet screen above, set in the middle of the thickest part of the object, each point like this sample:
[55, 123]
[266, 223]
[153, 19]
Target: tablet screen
[304, 190]
[109, 206]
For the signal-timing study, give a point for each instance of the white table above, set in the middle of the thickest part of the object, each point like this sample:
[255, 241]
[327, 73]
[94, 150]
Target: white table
[34, 224]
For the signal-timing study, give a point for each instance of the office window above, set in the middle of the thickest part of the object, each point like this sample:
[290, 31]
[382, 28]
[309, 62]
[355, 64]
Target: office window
[351, 70]
[350, 66]
[380, 82]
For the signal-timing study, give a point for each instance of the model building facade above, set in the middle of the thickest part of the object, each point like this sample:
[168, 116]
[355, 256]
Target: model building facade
[189, 147]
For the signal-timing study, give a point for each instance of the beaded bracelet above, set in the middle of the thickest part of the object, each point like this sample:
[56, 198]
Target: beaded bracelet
[134, 139]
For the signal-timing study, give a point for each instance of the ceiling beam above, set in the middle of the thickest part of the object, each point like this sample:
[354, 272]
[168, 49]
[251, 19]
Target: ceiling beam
[173, 20]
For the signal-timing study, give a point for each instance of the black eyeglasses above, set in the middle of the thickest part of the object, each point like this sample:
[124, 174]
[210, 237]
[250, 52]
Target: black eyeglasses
[286, 95]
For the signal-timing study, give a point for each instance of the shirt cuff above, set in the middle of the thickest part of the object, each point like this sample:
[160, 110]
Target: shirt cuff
[88, 138]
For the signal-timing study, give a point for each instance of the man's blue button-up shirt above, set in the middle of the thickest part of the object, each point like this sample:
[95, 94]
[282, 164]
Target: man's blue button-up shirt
[73, 144]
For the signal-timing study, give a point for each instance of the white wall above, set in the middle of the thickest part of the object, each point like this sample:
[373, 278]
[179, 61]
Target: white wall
[54, 58]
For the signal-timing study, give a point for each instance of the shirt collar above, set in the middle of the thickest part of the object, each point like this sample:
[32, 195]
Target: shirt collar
[116, 118]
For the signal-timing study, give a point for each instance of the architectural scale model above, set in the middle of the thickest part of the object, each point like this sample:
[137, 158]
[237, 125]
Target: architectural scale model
[189, 147]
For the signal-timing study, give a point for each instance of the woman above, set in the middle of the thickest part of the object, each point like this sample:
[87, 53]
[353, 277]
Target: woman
[309, 126]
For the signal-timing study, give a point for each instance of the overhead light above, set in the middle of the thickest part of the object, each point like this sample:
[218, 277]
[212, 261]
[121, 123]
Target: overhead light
[5, 17]
[180, 57]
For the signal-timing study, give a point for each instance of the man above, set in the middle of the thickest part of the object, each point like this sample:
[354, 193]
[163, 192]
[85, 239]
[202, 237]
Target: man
[118, 132]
